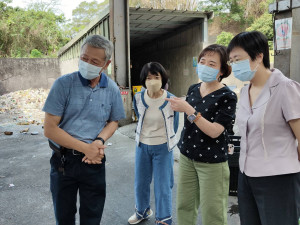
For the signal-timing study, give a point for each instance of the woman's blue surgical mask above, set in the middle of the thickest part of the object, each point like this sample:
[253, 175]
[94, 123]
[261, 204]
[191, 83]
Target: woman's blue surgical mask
[89, 71]
[242, 71]
[206, 73]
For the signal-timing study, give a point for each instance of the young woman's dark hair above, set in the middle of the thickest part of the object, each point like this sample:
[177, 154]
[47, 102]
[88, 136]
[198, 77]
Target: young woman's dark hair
[221, 50]
[153, 68]
[253, 43]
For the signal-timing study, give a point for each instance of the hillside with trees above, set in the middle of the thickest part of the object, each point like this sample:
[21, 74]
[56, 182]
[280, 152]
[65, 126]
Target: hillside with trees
[33, 32]
[232, 17]
[40, 29]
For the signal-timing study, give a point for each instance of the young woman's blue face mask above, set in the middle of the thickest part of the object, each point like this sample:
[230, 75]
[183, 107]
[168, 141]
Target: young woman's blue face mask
[206, 73]
[242, 70]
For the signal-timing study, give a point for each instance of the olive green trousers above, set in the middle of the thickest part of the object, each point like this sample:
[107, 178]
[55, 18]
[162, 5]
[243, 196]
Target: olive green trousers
[205, 185]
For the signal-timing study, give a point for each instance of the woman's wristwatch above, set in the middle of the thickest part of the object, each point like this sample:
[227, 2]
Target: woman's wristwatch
[194, 117]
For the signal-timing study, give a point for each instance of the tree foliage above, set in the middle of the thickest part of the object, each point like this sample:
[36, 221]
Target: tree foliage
[229, 9]
[44, 5]
[35, 54]
[23, 30]
[40, 29]
[165, 4]
[263, 24]
[250, 14]
[4, 7]
[224, 38]
[83, 14]
[243, 11]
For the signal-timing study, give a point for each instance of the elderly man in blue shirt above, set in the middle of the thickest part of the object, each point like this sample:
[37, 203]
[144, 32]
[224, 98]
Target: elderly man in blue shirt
[81, 112]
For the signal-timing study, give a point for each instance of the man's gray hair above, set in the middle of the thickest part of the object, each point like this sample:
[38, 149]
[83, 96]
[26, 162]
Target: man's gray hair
[98, 41]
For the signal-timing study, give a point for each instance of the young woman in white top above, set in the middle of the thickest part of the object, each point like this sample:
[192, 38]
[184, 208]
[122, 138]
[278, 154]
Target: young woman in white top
[155, 139]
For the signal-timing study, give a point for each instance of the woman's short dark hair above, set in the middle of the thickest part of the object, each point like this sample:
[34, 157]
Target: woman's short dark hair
[254, 43]
[153, 68]
[221, 50]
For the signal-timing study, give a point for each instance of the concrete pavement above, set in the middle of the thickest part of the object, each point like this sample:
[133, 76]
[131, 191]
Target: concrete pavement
[24, 162]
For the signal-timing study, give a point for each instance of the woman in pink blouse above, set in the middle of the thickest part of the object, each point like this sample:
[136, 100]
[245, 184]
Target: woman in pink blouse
[268, 118]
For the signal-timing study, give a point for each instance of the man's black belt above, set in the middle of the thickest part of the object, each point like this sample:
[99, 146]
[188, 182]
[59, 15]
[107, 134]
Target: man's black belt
[60, 151]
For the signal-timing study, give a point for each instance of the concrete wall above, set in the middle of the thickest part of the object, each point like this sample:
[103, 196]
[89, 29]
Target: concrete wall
[288, 60]
[25, 73]
[68, 66]
[295, 51]
[283, 58]
[176, 54]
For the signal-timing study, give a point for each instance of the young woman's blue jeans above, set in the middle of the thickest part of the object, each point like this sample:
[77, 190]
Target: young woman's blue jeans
[156, 160]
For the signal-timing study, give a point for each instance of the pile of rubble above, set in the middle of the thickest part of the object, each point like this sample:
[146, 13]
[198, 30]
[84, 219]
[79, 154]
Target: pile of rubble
[24, 107]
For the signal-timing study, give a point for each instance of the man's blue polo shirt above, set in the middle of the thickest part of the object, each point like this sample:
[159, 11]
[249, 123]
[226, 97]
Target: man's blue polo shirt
[84, 111]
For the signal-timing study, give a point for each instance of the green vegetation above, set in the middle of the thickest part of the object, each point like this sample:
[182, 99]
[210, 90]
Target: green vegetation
[40, 30]
[224, 38]
[165, 4]
[83, 15]
[263, 24]
[250, 14]
[28, 32]
[228, 9]
[35, 54]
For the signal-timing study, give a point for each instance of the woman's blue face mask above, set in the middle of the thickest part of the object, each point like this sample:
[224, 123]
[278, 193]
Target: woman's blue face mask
[206, 73]
[242, 71]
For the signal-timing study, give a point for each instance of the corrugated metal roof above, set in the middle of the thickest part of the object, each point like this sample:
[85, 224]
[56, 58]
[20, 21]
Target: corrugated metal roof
[147, 24]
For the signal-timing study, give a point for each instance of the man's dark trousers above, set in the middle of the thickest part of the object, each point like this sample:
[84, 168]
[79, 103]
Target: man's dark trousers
[88, 179]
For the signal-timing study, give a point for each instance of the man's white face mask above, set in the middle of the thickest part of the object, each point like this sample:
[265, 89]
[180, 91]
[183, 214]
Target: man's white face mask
[89, 71]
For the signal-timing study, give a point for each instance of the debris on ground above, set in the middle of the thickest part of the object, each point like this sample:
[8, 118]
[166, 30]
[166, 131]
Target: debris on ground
[24, 131]
[234, 209]
[34, 133]
[8, 132]
[24, 106]
[11, 185]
